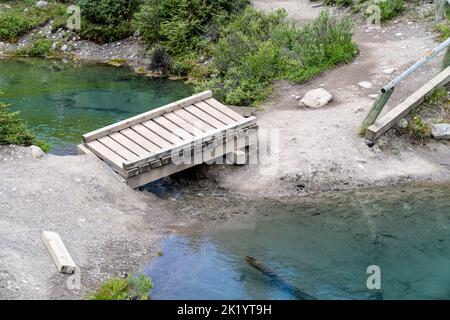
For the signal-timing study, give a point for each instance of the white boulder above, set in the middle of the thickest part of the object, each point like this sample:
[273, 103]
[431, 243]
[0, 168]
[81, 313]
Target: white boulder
[36, 152]
[316, 98]
[41, 4]
[441, 131]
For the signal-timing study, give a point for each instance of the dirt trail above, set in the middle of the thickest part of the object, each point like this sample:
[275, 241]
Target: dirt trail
[320, 149]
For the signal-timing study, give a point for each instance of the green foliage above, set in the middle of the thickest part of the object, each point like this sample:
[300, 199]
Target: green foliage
[390, 8]
[24, 16]
[256, 49]
[438, 97]
[107, 20]
[418, 129]
[13, 131]
[130, 288]
[39, 47]
[184, 25]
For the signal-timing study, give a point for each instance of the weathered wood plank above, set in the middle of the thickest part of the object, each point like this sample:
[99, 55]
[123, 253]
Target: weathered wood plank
[145, 116]
[162, 132]
[399, 112]
[204, 116]
[129, 144]
[106, 154]
[206, 136]
[224, 109]
[170, 126]
[198, 123]
[214, 112]
[118, 148]
[140, 140]
[151, 136]
[58, 251]
[183, 123]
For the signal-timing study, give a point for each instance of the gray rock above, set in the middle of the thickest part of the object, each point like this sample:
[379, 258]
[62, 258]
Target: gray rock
[389, 70]
[365, 84]
[316, 98]
[441, 131]
[64, 47]
[41, 4]
[36, 152]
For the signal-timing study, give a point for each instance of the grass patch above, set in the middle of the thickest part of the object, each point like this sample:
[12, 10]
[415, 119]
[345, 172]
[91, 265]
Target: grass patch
[14, 131]
[418, 129]
[130, 288]
[24, 16]
[39, 47]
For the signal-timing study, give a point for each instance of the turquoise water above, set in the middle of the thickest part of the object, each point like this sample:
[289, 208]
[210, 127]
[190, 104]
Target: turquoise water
[320, 247]
[62, 101]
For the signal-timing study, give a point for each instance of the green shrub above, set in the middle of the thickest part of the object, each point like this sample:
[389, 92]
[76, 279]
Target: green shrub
[390, 8]
[107, 20]
[40, 47]
[13, 131]
[256, 49]
[184, 25]
[130, 288]
[24, 16]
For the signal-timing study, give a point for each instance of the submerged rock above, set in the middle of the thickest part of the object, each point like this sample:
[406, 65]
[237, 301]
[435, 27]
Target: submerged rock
[441, 131]
[316, 98]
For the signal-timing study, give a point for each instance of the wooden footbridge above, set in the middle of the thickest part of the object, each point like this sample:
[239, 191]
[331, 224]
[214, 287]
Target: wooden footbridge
[172, 138]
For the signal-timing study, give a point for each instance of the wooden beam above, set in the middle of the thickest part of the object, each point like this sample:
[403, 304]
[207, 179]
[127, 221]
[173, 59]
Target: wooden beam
[245, 122]
[145, 116]
[61, 257]
[400, 111]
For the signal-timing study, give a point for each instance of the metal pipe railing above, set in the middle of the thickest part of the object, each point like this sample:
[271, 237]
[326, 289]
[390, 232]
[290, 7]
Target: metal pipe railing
[416, 66]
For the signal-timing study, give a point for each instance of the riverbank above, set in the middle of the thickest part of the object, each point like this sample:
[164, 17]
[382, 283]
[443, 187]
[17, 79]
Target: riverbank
[108, 228]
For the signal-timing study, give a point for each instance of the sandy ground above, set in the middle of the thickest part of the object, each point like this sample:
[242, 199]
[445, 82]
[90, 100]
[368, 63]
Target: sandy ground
[108, 228]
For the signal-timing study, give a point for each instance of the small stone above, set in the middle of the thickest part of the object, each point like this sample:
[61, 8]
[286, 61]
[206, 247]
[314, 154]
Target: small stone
[316, 98]
[373, 96]
[41, 4]
[36, 152]
[54, 46]
[389, 70]
[359, 109]
[441, 131]
[398, 34]
[402, 124]
[365, 84]
[64, 47]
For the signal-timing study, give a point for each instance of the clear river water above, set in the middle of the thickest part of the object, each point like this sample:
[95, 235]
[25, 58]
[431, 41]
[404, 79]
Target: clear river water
[316, 247]
[62, 101]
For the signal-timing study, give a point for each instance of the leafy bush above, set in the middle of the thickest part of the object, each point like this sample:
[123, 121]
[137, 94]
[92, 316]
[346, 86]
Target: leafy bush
[13, 131]
[40, 47]
[390, 8]
[130, 288]
[182, 25]
[256, 49]
[107, 20]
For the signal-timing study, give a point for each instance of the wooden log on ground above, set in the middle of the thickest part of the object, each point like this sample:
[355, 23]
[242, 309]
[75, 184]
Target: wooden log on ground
[395, 115]
[61, 257]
